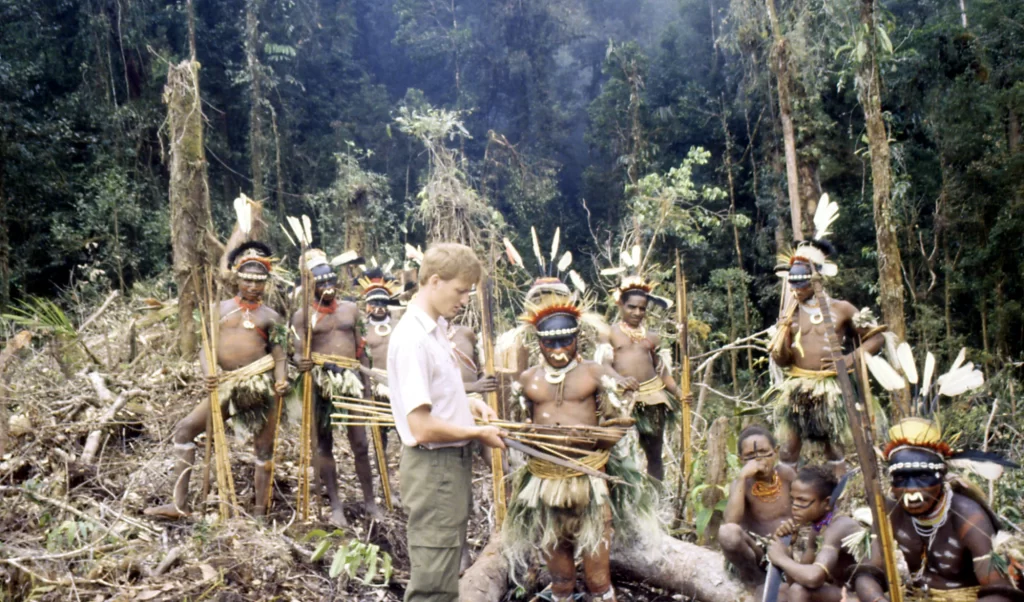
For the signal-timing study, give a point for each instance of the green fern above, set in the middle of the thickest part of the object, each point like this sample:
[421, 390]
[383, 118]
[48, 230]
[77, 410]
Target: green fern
[42, 315]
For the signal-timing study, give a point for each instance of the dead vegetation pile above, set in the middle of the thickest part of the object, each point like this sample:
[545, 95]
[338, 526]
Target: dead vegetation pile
[89, 413]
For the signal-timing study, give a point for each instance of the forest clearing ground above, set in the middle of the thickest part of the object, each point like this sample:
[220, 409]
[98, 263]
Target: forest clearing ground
[74, 531]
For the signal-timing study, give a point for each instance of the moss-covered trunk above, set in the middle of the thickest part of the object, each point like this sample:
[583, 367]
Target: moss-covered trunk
[189, 194]
[869, 84]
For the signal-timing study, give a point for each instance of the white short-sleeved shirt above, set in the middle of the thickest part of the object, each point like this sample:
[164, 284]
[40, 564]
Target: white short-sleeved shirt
[423, 370]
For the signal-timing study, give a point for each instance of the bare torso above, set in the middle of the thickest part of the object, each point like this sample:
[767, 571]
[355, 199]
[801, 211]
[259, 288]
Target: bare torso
[238, 345]
[764, 516]
[578, 402]
[948, 564]
[809, 344]
[634, 358]
[464, 341]
[333, 333]
[378, 336]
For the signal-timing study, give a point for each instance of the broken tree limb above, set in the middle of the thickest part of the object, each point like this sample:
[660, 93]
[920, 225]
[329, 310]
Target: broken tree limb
[99, 312]
[659, 561]
[92, 442]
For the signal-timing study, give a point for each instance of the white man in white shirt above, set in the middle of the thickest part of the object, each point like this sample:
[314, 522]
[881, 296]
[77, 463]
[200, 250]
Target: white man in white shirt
[436, 421]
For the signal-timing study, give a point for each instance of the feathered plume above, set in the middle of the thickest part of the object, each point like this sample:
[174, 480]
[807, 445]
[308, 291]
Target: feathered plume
[243, 211]
[613, 271]
[824, 216]
[885, 374]
[985, 464]
[636, 256]
[513, 255]
[307, 229]
[626, 259]
[906, 357]
[929, 372]
[565, 261]
[554, 243]
[346, 258]
[960, 380]
[413, 254]
[299, 230]
[536, 249]
[389, 265]
[288, 236]
[577, 281]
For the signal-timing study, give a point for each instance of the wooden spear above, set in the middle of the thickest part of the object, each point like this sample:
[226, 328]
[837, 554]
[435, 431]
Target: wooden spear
[860, 426]
[686, 463]
[208, 329]
[486, 295]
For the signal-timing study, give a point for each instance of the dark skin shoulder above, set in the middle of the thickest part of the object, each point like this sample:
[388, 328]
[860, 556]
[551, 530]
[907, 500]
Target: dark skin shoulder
[333, 334]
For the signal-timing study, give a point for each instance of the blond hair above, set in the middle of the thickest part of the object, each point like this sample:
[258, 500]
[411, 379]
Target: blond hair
[450, 260]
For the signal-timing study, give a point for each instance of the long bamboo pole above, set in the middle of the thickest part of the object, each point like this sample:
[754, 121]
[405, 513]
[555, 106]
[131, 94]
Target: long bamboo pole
[209, 323]
[486, 295]
[305, 432]
[863, 439]
[686, 468]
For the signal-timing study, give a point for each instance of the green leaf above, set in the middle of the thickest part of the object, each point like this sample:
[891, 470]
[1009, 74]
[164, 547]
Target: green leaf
[371, 568]
[703, 520]
[862, 50]
[385, 568]
[884, 37]
[313, 534]
[321, 550]
[339, 562]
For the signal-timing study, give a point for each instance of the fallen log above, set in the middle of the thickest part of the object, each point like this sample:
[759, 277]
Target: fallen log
[678, 567]
[663, 562]
[487, 579]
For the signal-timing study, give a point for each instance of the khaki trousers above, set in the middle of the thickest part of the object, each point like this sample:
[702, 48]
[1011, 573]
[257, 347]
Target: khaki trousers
[437, 491]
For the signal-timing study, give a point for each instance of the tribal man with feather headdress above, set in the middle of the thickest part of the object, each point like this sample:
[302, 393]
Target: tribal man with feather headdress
[380, 290]
[555, 509]
[251, 353]
[336, 354]
[941, 522]
[633, 350]
[807, 403]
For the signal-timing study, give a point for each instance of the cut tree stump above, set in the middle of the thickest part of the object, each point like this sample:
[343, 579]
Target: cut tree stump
[666, 563]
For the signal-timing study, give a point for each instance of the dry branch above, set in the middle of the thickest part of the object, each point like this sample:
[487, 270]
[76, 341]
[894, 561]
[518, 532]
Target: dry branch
[92, 442]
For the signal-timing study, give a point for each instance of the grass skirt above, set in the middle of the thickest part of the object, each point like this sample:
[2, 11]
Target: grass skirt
[328, 381]
[812, 407]
[656, 409]
[249, 392]
[545, 511]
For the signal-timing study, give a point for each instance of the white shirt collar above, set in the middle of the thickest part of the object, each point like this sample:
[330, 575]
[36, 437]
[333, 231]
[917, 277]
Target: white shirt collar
[428, 323]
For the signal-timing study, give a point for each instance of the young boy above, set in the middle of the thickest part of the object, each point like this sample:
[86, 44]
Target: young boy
[820, 571]
[758, 504]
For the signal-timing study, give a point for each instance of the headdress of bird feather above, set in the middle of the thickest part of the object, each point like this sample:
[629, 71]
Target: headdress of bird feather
[548, 295]
[252, 252]
[315, 260]
[378, 283]
[634, 277]
[921, 431]
[817, 250]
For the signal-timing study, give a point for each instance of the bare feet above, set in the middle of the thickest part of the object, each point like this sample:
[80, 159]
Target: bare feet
[338, 517]
[373, 510]
[167, 512]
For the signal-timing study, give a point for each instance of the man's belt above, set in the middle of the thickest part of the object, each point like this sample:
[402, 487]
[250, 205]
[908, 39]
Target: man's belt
[961, 594]
[651, 386]
[544, 469]
[264, 364]
[339, 360]
[794, 372]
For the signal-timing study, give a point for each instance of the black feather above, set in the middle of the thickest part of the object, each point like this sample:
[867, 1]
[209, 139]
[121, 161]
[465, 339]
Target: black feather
[824, 246]
[263, 249]
[984, 456]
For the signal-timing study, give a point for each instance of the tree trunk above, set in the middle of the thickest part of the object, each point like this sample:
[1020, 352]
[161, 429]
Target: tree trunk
[256, 143]
[189, 196]
[663, 562]
[716, 470]
[869, 83]
[780, 69]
